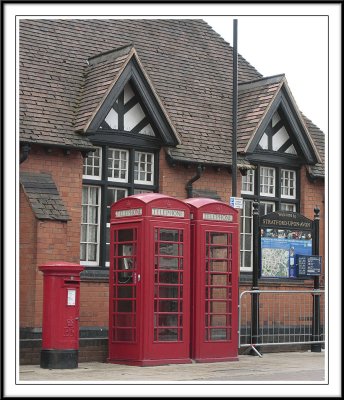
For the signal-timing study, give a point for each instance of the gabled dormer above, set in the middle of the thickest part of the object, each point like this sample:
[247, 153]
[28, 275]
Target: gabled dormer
[119, 102]
[273, 126]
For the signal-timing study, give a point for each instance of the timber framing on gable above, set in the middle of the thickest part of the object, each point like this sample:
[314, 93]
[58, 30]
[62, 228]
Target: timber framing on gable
[134, 73]
[304, 150]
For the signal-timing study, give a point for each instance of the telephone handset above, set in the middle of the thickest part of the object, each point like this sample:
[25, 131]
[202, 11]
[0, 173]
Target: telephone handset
[127, 263]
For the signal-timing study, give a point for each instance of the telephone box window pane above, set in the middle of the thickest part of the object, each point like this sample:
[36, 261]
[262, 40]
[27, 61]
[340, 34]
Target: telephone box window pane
[218, 320]
[124, 320]
[169, 235]
[168, 305]
[125, 235]
[217, 279]
[168, 320]
[218, 252]
[125, 306]
[218, 334]
[218, 266]
[126, 292]
[168, 335]
[168, 263]
[218, 238]
[168, 291]
[168, 277]
[168, 249]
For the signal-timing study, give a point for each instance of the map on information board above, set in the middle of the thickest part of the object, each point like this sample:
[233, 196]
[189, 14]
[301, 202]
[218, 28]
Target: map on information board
[279, 248]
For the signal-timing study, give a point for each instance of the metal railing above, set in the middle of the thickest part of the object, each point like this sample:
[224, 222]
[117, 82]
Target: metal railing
[281, 317]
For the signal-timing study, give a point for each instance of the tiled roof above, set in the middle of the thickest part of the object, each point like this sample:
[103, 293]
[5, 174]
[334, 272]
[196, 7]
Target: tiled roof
[43, 196]
[317, 170]
[99, 78]
[254, 99]
[188, 63]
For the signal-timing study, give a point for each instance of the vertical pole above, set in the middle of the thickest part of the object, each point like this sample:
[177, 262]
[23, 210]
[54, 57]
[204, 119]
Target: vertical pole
[316, 347]
[255, 274]
[235, 108]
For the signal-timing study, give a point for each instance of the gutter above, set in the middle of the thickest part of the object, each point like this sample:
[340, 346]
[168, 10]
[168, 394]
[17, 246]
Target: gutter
[25, 150]
[188, 186]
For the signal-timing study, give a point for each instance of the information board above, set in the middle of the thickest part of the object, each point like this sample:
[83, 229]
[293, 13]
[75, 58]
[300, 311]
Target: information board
[284, 235]
[279, 249]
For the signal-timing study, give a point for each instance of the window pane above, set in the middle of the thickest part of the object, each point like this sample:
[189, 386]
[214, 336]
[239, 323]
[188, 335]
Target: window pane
[247, 184]
[89, 241]
[92, 164]
[288, 183]
[267, 181]
[118, 165]
[143, 167]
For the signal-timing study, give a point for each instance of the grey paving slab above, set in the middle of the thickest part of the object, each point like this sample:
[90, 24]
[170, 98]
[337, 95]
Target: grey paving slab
[284, 367]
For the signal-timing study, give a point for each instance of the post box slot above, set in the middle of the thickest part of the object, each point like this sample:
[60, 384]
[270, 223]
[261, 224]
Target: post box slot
[71, 282]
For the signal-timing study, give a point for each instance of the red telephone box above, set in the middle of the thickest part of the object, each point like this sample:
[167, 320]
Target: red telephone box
[215, 265]
[149, 310]
[61, 305]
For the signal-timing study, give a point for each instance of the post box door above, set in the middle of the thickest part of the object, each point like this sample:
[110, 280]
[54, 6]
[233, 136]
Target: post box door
[124, 292]
[71, 314]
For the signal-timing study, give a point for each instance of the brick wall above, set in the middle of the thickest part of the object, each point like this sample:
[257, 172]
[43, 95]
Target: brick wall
[312, 195]
[94, 301]
[174, 179]
[28, 262]
[43, 241]
[46, 241]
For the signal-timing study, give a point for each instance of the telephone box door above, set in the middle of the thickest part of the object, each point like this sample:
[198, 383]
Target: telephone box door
[216, 295]
[170, 328]
[125, 276]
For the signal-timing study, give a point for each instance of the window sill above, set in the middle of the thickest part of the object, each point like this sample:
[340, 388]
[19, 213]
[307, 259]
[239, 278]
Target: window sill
[95, 274]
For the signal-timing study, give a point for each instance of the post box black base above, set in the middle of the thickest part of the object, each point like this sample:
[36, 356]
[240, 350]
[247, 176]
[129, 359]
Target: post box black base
[59, 359]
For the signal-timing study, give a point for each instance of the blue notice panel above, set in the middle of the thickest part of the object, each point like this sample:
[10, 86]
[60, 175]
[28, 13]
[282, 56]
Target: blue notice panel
[308, 266]
[279, 249]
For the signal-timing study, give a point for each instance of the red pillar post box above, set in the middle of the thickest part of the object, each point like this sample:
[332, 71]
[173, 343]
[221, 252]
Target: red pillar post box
[149, 309]
[215, 266]
[60, 325]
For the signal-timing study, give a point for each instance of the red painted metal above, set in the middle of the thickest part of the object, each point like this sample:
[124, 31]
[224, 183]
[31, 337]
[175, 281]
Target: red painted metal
[149, 292]
[215, 270]
[61, 305]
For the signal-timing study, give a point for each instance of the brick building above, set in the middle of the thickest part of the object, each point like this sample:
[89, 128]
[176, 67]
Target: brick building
[111, 108]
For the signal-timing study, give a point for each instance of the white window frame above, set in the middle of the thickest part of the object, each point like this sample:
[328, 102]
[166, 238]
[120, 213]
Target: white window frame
[244, 234]
[107, 263]
[120, 169]
[268, 176]
[97, 243]
[266, 203]
[288, 207]
[139, 181]
[248, 180]
[288, 175]
[89, 161]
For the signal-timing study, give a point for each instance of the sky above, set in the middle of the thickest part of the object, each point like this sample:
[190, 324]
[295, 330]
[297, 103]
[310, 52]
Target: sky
[294, 45]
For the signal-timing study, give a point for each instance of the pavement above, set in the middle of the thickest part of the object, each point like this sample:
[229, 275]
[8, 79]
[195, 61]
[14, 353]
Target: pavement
[271, 367]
